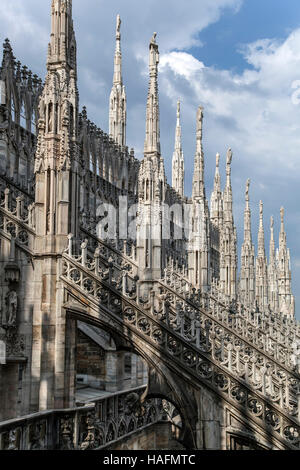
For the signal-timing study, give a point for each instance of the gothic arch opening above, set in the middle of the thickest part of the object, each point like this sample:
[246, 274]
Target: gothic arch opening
[125, 371]
[102, 367]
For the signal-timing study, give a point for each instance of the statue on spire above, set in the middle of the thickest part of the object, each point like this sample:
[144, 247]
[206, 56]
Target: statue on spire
[152, 140]
[282, 215]
[118, 24]
[198, 177]
[229, 157]
[153, 39]
[247, 189]
[118, 100]
[178, 158]
[261, 208]
[217, 160]
[200, 117]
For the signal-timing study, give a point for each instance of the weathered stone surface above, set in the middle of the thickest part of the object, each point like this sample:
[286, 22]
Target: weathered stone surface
[222, 353]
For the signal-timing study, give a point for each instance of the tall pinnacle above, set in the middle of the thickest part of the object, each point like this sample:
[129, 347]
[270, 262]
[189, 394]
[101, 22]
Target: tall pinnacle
[228, 214]
[247, 216]
[217, 181]
[261, 233]
[178, 159]
[117, 108]
[178, 129]
[272, 242]
[216, 201]
[62, 46]
[282, 235]
[118, 55]
[57, 148]
[152, 140]
[228, 168]
[247, 276]
[286, 298]
[198, 179]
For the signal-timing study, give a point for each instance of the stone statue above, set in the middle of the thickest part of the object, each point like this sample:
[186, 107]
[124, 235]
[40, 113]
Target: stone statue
[4, 123]
[50, 120]
[261, 207]
[247, 189]
[31, 215]
[153, 39]
[118, 24]
[229, 157]
[217, 160]
[10, 319]
[41, 109]
[65, 108]
[200, 115]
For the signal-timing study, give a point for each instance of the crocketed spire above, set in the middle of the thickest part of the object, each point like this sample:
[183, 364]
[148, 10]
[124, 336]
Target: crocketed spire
[198, 179]
[117, 107]
[62, 46]
[285, 297]
[247, 276]
[178, 158]
[152, 140]
[261, 265]
[216, 200]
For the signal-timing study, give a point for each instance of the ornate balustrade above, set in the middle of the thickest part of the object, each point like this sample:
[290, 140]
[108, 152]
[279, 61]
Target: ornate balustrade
[16, 220]
[262, 329]
[121, 253]
[200, 346]
[16, 190]
[93, 426]
[266, 367]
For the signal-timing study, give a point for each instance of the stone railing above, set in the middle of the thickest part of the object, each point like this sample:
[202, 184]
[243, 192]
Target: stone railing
[267, 366]
[269, 394]
[277, 336]
[16, 190]
[16, 220]
[121, 253]
[264, 330]
[93, 426]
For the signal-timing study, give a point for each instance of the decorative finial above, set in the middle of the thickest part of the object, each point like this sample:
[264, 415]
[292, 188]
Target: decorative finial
[178, 108]
[282, 215]
[118, 25]
[217, 160]
[272, 222]
[201, 109]
[229, 157]
[153, 39]
[261, 208]
[199, 121]
[247, 189]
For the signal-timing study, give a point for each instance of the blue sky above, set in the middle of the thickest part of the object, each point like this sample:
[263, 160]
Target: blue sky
[238, 58]
[256, 19]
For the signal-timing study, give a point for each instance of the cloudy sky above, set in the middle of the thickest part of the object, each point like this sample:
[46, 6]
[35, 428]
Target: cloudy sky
[240, 59]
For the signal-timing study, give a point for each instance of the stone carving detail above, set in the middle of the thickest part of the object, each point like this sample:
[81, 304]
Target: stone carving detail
[195, 334]
[180, 297]
[15, 343]
[9, 318]
[66, 433]
[110, 419]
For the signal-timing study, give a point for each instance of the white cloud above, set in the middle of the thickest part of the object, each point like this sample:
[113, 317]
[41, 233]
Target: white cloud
[257, 113]
[265, 120]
